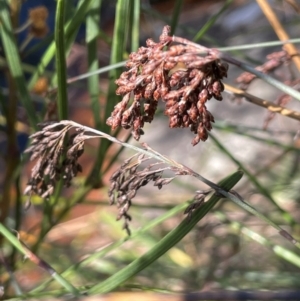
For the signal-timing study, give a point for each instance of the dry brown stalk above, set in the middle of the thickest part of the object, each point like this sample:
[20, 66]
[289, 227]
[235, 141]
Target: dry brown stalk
[280, 31]
[263, 103]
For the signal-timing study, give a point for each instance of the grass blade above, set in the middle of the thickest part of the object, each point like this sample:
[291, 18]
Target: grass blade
[135, 31]
[211, 21]
[18, 245]
[61, 67]
[177, 209]
[171, 239]
[265, 77]
[14, 62]
[175, 16]
[278, 250]
[92, 32]
[253, 179]
[122, 22]
[71, 27]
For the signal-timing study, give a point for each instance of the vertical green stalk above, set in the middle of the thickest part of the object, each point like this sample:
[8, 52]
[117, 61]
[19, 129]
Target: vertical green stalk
[14, 62]
[135, 34]
[211, 21]
[61, 60]
[117, 52]
[92, 32]
[11, 154]
[122, 21]
[70, 29]
[175, 16]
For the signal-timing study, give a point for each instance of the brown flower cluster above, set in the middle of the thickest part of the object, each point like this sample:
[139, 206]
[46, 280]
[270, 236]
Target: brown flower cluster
[38, 17]
[57, 154]
[274, 60]
[197, 202]
[126, 181]
[176, 74]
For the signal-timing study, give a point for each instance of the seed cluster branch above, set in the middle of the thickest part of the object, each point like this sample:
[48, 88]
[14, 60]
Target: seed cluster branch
[58, 146]
[57, 156]
[176, 71]
[127, 180]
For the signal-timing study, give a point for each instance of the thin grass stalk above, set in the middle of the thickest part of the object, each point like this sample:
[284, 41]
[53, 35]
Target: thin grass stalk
[14, 62]
[280, 251]
[113, 246]
[92, 32]
[165, 244]
[18, 245]
[117, 52]
[135, 30]
[263, 103]
[118, 47]
[236, 130]
[278, 28]
[211, 21]
[99, 71]
[253, 179]
[71, 27]
[155, 155]
[93, 21]
[259, 45]
[175, 15]
[61, 67]
[265, 77]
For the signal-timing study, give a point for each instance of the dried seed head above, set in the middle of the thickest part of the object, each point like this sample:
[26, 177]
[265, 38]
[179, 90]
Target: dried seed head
[57, 157]
[174, 74]
[127, 180]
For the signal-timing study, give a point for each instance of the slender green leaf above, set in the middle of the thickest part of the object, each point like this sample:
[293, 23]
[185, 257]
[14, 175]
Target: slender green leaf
[89, 259]
[122, 21]
[135, 36]
[278, 250]
[14, 62]
[211, 21]
[17, 244]
[92, 32]
[265, 77]
[71, 27]
[117, 52]
[61, 67]
[259, 45]
[175, 15]
[253, 179]
[165, 244]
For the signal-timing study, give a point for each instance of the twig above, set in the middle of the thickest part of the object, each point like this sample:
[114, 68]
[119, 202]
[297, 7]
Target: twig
[281, 33]
[263, 103]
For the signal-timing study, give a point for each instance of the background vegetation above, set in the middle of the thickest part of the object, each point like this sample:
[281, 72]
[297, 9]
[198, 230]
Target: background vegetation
[60, 62]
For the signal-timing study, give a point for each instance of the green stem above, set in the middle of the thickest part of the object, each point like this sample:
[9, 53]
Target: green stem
[61, 67]
[265, 77]
[18, 245]
[165, 244]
